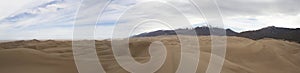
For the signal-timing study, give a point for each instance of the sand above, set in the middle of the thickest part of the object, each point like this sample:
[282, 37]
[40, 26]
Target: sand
[243, 55]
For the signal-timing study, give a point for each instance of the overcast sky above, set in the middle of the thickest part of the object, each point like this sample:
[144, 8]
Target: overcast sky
[54, 19]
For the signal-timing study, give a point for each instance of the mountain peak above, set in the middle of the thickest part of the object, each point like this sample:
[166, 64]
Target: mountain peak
[267, 32]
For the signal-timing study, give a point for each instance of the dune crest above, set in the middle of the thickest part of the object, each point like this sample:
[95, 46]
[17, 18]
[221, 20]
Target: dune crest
[243, 55]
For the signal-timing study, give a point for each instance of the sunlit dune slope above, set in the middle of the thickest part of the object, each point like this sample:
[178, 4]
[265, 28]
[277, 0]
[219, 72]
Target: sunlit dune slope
[243, 55]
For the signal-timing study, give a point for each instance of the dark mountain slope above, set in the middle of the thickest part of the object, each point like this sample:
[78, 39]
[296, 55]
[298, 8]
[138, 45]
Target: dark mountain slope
[273, 32]
[200, 31]
[268, 32]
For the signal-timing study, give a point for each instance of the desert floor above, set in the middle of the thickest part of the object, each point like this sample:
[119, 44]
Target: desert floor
[243, 55]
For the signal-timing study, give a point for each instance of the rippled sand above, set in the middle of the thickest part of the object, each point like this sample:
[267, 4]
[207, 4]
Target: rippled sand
[243, 55]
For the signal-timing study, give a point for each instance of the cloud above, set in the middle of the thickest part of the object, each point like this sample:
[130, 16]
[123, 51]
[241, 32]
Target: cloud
[55, 18]
[46, 15]
[259, 7]
[280, 13]
[10, 6]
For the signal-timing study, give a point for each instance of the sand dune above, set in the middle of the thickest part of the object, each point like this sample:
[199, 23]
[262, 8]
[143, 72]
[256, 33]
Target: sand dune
[243, 55]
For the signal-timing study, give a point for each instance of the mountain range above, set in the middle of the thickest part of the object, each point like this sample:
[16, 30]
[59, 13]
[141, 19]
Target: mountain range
[289, 34]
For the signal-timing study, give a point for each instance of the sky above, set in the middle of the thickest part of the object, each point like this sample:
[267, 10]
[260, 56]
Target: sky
[55, 19]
